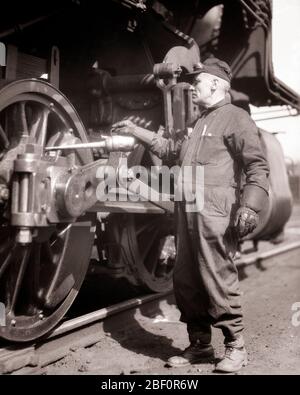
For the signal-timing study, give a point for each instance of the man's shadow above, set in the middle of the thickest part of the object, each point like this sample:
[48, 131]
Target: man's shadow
[139, 340]
[125, 327]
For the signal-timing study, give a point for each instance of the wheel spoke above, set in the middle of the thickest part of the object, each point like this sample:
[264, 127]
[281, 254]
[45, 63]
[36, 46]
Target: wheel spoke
[6, 262]
[154, 267]
[47, 270]
[38, 130]
[147, 226]
[3, 138]
[35, 272]
[4, 247]
[149, 243]
[19, 278]
[23, 119]
[31, 283]
[48, 252]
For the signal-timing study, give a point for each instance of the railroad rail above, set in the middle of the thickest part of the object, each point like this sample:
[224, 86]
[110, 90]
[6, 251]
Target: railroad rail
[88, 329]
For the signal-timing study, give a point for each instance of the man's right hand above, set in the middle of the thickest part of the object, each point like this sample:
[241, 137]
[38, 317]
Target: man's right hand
[124, 127]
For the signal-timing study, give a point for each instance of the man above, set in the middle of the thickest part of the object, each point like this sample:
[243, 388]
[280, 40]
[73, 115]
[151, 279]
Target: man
[225, 142]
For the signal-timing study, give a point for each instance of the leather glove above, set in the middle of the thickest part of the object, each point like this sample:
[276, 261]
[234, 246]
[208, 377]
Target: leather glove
[246, 221]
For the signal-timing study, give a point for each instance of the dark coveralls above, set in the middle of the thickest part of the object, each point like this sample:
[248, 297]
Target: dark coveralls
[224, 141]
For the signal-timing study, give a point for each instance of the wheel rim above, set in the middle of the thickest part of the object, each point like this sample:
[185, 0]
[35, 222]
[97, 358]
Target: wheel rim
[152, 246]
[37, 282]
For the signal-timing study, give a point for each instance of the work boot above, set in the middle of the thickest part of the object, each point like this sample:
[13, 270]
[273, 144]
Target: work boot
[196, 352]
[235, 357]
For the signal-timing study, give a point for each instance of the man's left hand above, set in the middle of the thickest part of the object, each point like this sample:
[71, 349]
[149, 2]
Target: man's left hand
[246, 221]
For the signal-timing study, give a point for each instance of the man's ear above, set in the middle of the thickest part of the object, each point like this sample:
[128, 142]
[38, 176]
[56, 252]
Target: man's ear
[214, 85]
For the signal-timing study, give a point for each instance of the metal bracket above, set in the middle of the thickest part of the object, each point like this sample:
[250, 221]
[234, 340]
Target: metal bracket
[166, 75]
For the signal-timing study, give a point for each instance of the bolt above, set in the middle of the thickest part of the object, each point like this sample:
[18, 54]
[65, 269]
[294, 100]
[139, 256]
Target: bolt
[51, 106]
[13, 322]
[41, 316]
[24, 236]
[4, 193]
[130, 174]
[71, 131]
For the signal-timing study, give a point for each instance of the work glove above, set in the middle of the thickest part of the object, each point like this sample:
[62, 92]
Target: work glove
[246, 221]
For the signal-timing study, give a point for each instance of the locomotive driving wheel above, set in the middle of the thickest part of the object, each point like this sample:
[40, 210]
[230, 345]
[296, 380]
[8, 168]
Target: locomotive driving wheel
[39, 279]
[144, 243]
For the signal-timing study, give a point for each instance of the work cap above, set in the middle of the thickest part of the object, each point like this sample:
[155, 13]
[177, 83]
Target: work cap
[213, 66]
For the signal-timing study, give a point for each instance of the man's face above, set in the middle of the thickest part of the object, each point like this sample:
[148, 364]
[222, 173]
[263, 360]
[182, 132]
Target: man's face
[203, 89]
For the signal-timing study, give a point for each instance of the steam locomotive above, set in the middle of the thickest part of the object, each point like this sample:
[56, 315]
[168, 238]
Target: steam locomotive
[69, 70]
